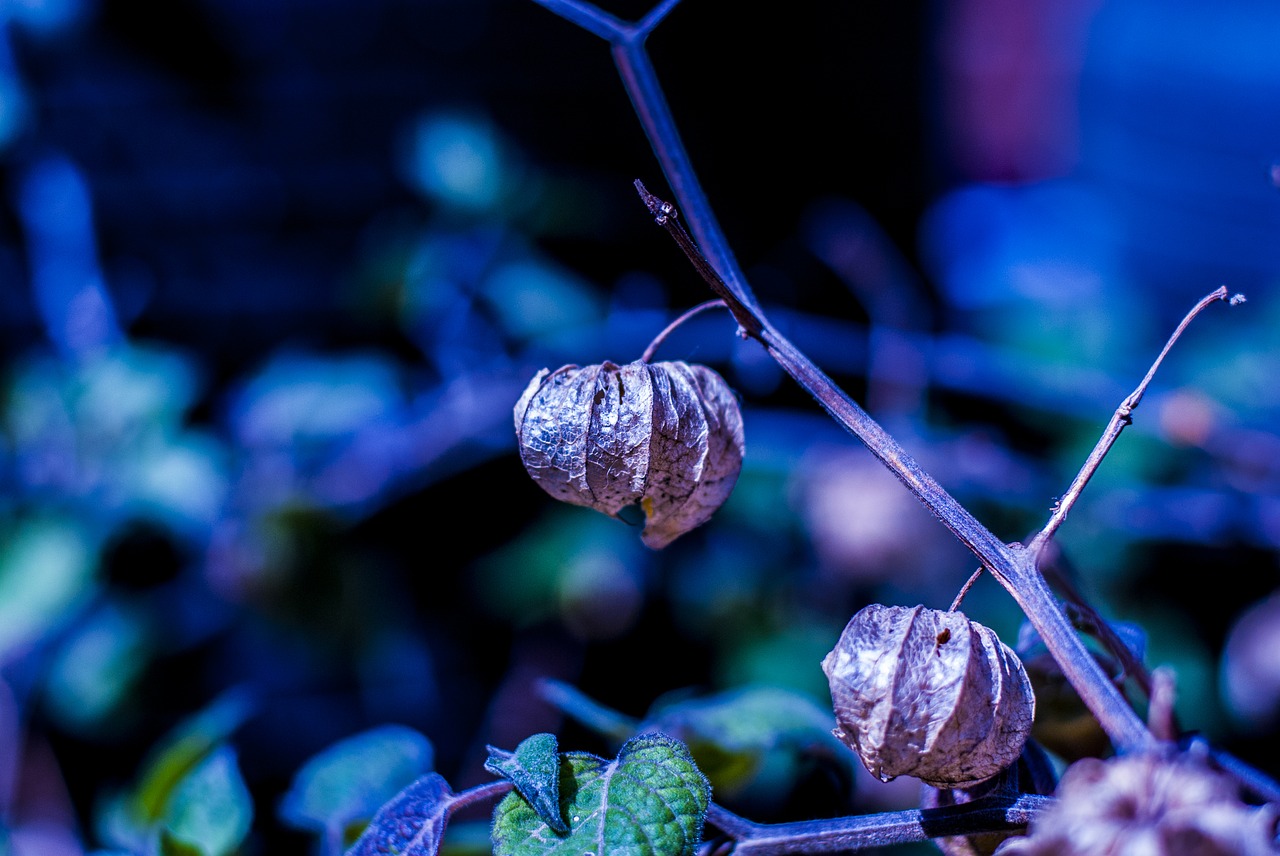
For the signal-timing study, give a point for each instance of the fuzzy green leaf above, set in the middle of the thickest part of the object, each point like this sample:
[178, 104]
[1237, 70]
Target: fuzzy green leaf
[650, 801]
[534, 768]
[350, 780]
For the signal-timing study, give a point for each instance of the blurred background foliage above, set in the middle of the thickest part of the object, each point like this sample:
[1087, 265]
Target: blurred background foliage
[273, 274]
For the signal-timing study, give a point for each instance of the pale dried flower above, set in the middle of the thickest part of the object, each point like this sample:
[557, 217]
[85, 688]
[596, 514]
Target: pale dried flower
[666, 436]
[930, 694]
[1150, 804]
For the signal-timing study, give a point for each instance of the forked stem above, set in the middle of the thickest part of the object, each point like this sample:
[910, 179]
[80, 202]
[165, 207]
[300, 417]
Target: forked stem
[1119, 420]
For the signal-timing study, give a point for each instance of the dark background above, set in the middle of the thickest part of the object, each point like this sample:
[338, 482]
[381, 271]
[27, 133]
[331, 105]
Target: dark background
[272, 275]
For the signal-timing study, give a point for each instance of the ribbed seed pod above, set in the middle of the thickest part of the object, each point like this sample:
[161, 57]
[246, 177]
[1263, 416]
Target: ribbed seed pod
[666, 436]
[930, 694]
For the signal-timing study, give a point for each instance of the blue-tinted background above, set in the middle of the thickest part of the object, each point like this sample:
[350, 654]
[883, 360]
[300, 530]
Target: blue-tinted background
[272, 275]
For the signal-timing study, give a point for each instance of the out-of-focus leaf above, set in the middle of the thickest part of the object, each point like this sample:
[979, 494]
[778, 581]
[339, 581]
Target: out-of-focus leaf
[300, 401]
[349, 781]
[458, 160]
[209, 811]
[46, 568]
[651, 800]
[179, 482]
[1250, 673]
[534, 768]
[114, 398]
[583, 567]
[467, 838]
[732, 734]
[45, 837]
[587, 711]
[782, 655]
[93, 670]
[411, 824]
[535, 299]
[181, 751]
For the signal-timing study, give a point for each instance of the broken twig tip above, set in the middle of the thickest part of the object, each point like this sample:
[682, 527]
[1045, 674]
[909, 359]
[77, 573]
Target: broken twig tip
[658, 208]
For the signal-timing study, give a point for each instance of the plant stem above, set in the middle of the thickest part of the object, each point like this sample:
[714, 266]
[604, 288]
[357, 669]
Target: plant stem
[964, 590]
[480, 793]
[1119, 420]
[661, 337]
[996, 813]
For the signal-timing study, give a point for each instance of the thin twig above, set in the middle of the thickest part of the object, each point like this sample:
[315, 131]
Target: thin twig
[661, 337]
[964, 590]
[997, 813]
[641, 83]
[1121, 418]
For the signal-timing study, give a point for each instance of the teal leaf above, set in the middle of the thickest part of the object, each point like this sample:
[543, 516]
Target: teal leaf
[129, 818]
[46, 572]
[92, 671]
[411, 824]
[210, 810]
[650, 801]
[734, 735]
[534, 768]
[181, 751]
[350, 780]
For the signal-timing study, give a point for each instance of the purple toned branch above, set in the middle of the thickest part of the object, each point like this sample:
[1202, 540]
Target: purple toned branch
[997, 813]
[1119, 420]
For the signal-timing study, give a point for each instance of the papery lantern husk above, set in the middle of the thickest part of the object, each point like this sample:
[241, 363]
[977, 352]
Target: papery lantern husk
[665, 436]
[930, 694]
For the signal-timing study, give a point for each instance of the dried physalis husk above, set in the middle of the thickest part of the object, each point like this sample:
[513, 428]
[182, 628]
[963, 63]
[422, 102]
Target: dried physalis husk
[930, 694]
[666, 436]
[1148, 803]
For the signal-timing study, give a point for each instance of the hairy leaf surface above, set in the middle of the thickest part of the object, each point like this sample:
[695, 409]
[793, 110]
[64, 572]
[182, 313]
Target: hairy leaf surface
[534, 768]
[649, 801]
[411, 824]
